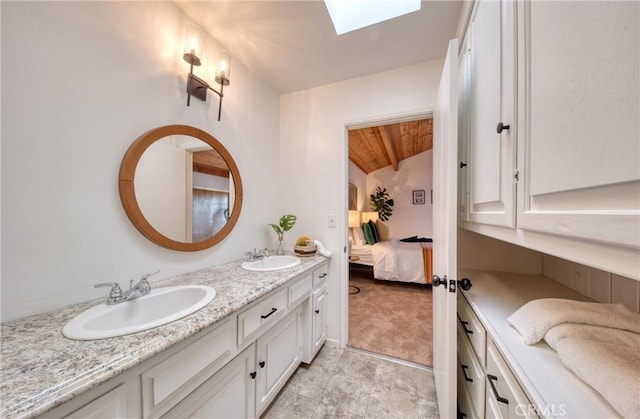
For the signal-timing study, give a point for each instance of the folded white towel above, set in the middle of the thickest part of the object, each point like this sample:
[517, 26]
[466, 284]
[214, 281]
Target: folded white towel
[321, 249]
[587, 331]
[533, 319]
[612, 370]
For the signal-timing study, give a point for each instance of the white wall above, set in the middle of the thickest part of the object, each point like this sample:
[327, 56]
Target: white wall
[80, 82]
[313, 135]
[161, 188]
[414, 173]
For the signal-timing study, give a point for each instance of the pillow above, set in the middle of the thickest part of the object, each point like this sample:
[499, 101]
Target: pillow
[368, 235]
[358, 236]
[374, 231]
[383, 230]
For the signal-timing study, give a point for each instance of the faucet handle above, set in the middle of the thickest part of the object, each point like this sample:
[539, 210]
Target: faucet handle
[145, 287]
[115, 293]
[145, 276]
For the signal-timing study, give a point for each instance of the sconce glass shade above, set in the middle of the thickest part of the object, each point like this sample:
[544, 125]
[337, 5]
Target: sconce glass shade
[354, 219]
[223, 69]
[372, 215]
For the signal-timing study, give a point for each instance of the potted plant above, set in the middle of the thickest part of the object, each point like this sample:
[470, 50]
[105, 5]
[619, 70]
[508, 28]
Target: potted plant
[286, 223]
[381, 203]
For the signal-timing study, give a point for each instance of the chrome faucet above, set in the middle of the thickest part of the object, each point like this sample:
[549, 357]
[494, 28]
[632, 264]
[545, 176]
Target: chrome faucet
[142, 287]
[256, 255]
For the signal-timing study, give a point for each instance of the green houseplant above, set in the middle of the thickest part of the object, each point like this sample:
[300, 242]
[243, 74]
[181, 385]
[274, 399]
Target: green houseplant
[286, 223]
[382, 203]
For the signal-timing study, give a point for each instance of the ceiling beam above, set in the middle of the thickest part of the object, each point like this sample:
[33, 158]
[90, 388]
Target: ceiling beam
[388, 145]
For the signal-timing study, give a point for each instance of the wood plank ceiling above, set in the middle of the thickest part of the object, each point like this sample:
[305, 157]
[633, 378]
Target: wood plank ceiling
[211, 163]
[373, 148]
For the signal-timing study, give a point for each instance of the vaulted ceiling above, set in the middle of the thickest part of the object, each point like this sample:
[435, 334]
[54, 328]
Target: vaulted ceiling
[376, 147]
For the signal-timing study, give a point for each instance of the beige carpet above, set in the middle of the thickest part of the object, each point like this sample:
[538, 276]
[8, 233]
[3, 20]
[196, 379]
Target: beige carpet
[391, 318]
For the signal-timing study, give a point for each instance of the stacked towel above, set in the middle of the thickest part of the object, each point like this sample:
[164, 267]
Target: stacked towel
[600, 343]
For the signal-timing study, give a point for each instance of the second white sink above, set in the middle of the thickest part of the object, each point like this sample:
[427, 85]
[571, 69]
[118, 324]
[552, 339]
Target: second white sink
[161, 306]
[271, 263]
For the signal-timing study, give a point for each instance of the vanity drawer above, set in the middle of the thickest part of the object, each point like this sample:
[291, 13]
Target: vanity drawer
[300, 290]
[258, 318]
[503, 390]
[174, 378]
[320, 275]
[471, 375]
[472, 328]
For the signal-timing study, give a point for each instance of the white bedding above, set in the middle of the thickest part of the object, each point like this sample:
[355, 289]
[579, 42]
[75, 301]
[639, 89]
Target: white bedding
[392, 260]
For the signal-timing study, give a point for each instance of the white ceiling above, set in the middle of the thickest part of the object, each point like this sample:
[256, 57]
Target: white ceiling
[292, 45]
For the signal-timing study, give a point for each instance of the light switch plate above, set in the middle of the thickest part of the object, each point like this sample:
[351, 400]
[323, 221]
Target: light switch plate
[332, 221]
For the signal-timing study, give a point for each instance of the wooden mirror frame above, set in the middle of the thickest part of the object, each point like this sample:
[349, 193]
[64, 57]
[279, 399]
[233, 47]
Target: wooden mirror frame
[128, 196]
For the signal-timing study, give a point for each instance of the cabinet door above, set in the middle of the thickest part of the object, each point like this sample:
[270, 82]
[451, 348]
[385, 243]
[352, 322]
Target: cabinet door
[492, 77]
[319, 318]
[579, 133]
[230, 393]
[278, 354]
[113, 404]
[464, 133]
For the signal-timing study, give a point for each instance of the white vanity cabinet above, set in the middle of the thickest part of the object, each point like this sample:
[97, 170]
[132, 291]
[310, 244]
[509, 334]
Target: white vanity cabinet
[230, 393]
[487, 87]
[319, 306]
[114, 404]
[278, 354]
[234, 368]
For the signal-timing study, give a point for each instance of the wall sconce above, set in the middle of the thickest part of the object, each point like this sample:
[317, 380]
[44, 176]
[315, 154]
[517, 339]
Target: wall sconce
[197, 87]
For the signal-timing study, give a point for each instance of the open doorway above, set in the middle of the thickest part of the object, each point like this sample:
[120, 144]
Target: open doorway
[390, 309]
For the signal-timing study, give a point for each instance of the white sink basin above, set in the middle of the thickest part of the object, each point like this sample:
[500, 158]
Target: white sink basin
[161, 306]
[271, 263]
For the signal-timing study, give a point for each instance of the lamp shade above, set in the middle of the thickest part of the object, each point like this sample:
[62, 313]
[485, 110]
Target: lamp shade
[372, 215]
[354, 219]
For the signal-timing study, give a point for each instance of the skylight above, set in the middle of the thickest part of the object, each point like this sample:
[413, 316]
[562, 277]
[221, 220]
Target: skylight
[349, 15]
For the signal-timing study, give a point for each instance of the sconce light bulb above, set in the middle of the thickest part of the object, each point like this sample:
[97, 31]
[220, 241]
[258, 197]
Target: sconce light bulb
[224, 65]
[193, 45]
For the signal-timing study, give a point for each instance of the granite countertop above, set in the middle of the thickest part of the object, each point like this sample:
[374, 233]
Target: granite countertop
[41, 369]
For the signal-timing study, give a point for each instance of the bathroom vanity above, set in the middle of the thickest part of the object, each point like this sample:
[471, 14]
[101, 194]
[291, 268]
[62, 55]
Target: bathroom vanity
[228, 359]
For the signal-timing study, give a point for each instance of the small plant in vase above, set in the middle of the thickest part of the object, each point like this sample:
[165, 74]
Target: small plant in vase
[286, 223]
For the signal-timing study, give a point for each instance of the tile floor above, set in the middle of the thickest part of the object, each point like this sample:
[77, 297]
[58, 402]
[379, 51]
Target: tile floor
[352, 384]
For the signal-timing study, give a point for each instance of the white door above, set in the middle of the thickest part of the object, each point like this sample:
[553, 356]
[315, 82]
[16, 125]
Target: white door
[445, 154]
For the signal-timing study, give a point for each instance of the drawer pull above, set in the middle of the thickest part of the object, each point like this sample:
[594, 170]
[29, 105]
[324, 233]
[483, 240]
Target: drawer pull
[262, 364]
[317, 311]
[253, 375]
[464, 372]
[493, 378]
[464, 326]
[273, 310]
[323, 275]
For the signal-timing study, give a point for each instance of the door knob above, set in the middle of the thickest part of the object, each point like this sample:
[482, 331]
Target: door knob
[437, 281]
[464, 283]
[501, 127]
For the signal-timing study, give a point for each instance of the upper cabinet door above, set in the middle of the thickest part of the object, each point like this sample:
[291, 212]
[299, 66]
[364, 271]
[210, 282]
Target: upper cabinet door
[491, 101]
[464, 69]
[579, 130]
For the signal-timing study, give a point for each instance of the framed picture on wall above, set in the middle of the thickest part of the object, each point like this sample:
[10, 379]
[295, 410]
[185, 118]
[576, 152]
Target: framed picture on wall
[353, 197]
[418, 197]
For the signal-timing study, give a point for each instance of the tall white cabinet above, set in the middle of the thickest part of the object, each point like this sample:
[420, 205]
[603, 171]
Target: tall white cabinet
[489, 95]
[579, 130]
[564, 178]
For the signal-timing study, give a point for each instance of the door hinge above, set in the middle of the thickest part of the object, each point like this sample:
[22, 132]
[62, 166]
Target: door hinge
[516, 176]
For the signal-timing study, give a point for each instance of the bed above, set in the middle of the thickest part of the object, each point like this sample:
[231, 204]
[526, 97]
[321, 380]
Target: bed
[394, 260]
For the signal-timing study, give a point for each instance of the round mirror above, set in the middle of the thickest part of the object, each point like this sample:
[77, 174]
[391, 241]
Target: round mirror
[180, 188]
